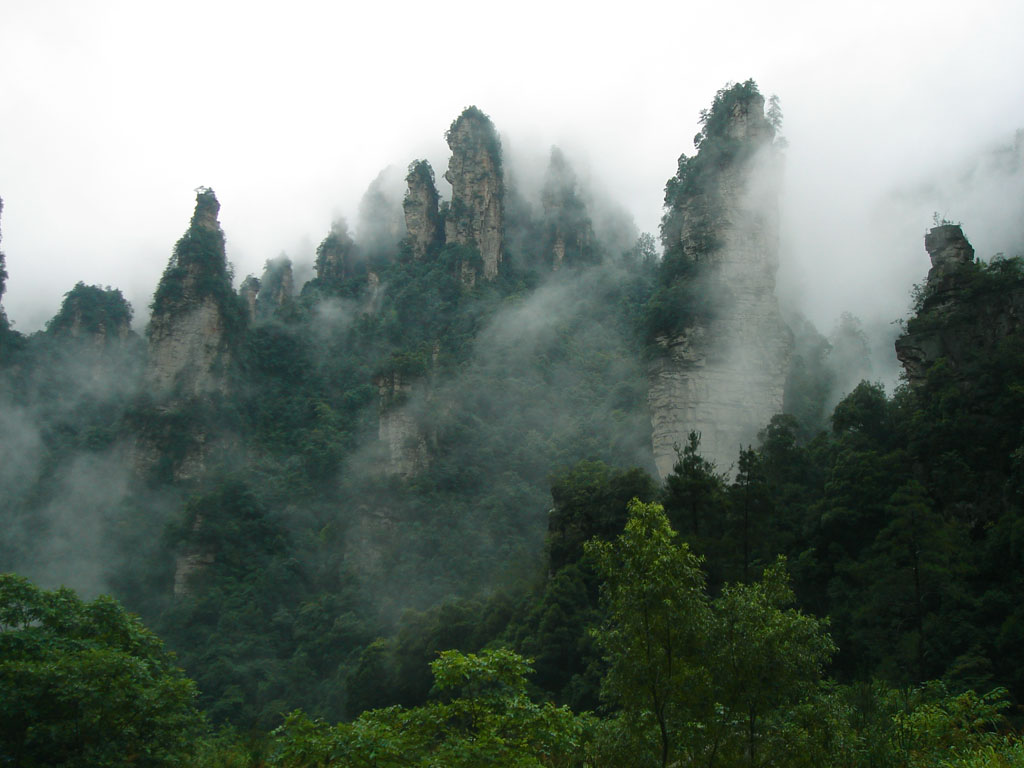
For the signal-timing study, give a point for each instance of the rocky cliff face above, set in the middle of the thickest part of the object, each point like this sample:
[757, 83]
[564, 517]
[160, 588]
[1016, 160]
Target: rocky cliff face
[422, 219]
[96, 316]
[248, 291]
[476, 215]
[196, 319]
[277, 286]
[334, 256]
[722, 370]
[405, 444]
[194, 334]
[964, 309]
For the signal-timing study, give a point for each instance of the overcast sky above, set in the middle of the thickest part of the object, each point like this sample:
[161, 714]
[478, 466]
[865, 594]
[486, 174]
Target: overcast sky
[111, 113]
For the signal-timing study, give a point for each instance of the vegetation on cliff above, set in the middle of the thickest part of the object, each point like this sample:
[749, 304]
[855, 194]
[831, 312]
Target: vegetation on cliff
[847, 595]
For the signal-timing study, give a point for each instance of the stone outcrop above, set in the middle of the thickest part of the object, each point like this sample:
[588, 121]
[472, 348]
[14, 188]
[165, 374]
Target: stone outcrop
[97, 316]
[191, 562]
[277, 286]
[476, 215]
[568, 232]
[194, 334]
[335, 257]
[194, 329]
[404, 442]
[248, 291]
[422, 219]
[958, 318]
[722, 370]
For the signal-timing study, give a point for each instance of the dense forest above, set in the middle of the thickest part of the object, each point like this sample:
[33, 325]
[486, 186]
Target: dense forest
[412, 512]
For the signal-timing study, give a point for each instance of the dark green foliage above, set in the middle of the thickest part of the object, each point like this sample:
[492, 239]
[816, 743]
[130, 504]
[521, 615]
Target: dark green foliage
[979, 288]
[86, 684]
[688, 291]
[810, 380]
[339, 271]
[324, 582]
[590, 500]
[198, 269]
[481, 133]
[695, 493]
[486, 718]
[91, 310]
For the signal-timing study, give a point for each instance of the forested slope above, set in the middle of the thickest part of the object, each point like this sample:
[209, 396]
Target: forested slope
[435, 459]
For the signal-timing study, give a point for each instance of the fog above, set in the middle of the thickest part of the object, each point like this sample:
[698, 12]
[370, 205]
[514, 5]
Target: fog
[115, 112]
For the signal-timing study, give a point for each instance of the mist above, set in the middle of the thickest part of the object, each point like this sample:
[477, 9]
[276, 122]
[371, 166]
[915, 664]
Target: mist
[99, 156]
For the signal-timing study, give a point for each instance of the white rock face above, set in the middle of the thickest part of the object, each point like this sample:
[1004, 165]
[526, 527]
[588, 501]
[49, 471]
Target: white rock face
[399, 430]
[188, 354]
[725, 377]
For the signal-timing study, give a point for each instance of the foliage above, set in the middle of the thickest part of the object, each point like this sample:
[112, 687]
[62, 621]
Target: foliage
[198, 269]
[979, 287]
[85, 684]
[92, 310]
[485, 719]
[656, 630]
[688, 291]
[710, 682]
[481, 132]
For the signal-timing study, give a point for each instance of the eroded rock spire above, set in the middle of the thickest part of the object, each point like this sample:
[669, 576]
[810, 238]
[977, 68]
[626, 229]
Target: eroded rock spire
[476, 216]
[724, 349]
[197, 320]
[422, 219]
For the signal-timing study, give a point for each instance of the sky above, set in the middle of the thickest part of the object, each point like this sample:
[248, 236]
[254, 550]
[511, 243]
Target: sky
[112, 113]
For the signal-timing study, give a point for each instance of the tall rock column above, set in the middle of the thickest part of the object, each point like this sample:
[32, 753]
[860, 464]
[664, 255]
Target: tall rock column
[193, 331]
[422, 220]
[193, 337]
[476, 215]
[723, 349]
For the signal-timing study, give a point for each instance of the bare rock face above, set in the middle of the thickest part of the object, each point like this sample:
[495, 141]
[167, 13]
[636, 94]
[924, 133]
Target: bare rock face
[476, 215]
[98, 316]
[722, 370]
[404, 442]
[191, 563]
[334, 256]
[194, 334]
[422, 219]
[249, 290]
[948, 250]
[957, 319]
[196, 318]
[277, 286]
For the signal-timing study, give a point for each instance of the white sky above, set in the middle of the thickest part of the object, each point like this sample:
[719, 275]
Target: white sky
[111, 113]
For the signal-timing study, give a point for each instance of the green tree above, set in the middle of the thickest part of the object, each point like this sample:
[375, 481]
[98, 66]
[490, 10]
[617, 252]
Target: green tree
[86, 684]
[767, 659]
[750, 507]
[485, 718]
[655, 632]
